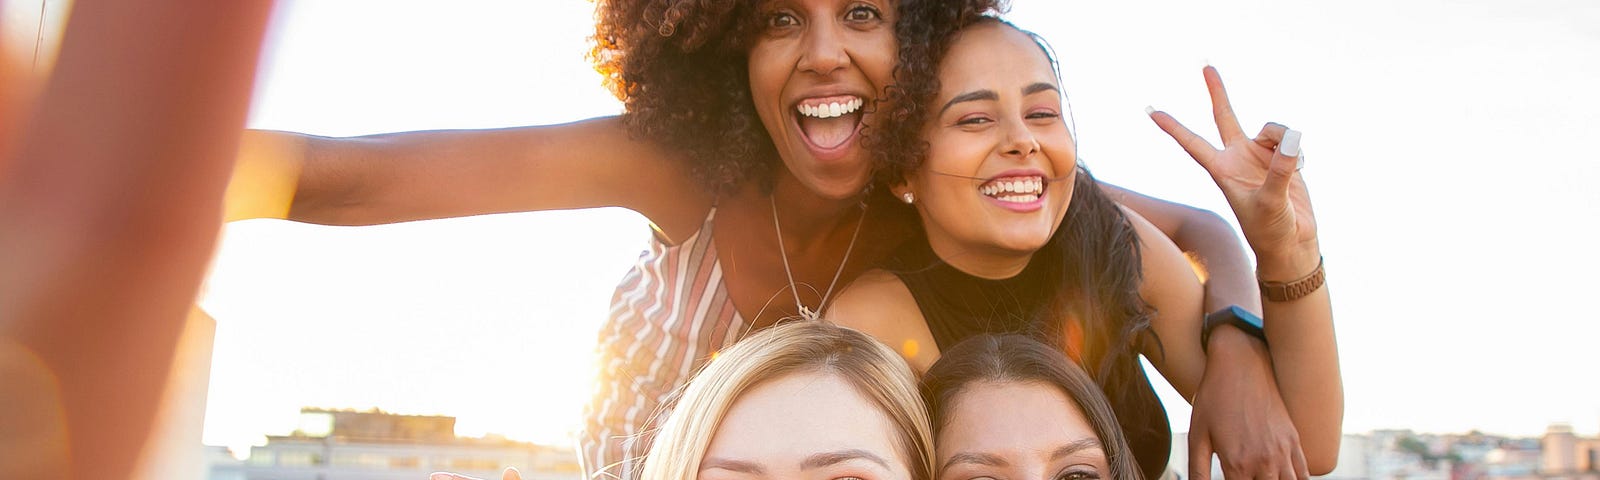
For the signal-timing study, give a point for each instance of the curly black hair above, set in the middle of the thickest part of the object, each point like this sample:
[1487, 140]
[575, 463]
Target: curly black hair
[923, 34]
[680, 69]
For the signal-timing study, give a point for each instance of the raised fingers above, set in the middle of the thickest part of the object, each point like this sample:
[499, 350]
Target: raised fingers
[1198, 147]
[1222, 109]
[1271, 134]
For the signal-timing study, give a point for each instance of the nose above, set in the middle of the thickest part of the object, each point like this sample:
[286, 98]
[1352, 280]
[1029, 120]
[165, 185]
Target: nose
[824, 51]
[1020, 141]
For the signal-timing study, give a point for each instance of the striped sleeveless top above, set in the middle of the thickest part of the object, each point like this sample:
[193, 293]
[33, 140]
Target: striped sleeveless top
[668, 316]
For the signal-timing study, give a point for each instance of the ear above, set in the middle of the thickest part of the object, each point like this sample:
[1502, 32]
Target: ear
[901, 189]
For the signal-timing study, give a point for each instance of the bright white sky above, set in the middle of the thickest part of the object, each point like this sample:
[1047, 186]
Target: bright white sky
[1447, 157]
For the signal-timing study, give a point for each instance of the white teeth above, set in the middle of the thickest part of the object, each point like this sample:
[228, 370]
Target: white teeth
[830, 110]
[1028, 189]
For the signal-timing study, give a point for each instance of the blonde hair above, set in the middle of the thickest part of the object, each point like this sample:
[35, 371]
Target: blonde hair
[876, 372]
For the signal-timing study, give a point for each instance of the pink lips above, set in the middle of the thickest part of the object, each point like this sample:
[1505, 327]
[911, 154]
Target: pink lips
[1027, 207]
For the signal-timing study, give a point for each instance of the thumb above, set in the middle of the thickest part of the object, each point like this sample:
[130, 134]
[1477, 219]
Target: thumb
[1199, 454]
[448, 476]
[1285, 161]
[511, 473]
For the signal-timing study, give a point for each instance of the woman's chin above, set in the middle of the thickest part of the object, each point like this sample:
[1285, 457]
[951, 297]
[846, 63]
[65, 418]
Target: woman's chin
[1024, 246]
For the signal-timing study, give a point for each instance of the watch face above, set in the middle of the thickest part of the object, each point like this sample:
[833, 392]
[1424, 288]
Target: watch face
[1245, 316]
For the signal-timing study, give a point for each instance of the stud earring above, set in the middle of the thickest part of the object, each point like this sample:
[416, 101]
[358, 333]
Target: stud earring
[909, 198]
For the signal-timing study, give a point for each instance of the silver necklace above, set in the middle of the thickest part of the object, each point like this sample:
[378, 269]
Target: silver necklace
[806, 312]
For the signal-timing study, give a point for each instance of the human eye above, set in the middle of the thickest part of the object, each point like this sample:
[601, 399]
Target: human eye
[1044, 115]
[782, 20]
[863, 13]
[1078, 474]
[974, 121]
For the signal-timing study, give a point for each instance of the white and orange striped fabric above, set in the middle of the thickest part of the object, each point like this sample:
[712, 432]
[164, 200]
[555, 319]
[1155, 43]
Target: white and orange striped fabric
[668, 316]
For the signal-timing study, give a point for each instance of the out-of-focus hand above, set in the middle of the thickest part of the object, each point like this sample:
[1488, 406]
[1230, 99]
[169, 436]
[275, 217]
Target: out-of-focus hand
[1239, 414]
[1261, 183]
[509, 474]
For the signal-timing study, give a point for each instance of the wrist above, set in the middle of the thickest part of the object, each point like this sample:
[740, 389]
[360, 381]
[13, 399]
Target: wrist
[1231, 320]
[1288, 264]
[1230, 344]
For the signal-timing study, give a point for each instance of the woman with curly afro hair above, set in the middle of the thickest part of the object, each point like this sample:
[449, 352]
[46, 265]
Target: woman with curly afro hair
[742, 143]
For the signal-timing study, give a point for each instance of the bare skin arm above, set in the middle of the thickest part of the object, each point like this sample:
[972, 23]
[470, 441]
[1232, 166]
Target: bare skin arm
[1225, 269]
[1239, 412]
[1269, 197]
[109, 209]
[450, 173]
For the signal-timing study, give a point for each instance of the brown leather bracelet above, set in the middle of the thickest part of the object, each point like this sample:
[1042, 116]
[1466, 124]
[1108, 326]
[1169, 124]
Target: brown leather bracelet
[1291, 291]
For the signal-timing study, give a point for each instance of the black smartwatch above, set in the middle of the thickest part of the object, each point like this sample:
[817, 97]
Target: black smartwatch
[1236, 316]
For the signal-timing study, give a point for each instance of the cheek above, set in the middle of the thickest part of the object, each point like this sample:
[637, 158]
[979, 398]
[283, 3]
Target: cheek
[767, 74]
[877, 57]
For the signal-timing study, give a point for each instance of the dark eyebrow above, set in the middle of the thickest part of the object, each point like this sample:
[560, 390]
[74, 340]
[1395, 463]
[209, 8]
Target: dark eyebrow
[1039, 87]
[1075, 447]
[974, 458]
[731, 465]
[995, 460]
[970, 96]
[830, 458]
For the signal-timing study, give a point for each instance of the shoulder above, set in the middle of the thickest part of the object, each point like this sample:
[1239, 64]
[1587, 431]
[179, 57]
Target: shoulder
[879, 304]
[871, 299]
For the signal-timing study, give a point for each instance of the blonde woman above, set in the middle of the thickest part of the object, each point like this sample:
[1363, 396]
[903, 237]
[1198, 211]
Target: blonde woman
[804, 399]
[799, 400]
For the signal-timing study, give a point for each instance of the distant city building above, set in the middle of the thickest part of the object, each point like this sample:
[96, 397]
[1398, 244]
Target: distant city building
[1568, 456]
[373, 445]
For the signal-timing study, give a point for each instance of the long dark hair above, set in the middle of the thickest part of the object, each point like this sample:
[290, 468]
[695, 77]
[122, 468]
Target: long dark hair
[1093, 259]
[1093, 256]
[1018, 359]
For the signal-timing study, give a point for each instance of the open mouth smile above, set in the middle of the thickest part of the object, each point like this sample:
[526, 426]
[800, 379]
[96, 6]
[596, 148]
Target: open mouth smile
[828, 124]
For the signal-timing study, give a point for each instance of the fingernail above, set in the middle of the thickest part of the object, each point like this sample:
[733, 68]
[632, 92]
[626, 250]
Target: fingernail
[441, 476]
[1290, 146]
[1149, 110]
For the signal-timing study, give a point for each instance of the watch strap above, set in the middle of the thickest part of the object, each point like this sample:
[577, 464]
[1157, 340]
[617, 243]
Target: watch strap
[1235, 316]
[1295, 290]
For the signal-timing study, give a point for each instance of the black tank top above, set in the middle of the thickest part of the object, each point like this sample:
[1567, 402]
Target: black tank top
[957, 306]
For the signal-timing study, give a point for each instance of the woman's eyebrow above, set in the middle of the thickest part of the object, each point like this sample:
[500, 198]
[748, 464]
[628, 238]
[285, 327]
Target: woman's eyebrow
[969, 97]
[1075, 447]
[1039, 87]
[831, 458]
[731, 465]
[974, 458]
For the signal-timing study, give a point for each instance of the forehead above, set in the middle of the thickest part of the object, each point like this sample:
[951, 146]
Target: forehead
[884, 5]
[1011, 418]
[989, 55]
[780, 422]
